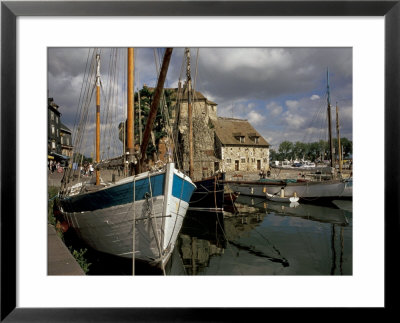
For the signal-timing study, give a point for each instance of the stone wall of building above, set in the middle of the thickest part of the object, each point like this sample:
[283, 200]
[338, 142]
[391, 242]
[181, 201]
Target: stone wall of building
[245, 158]
[204, 160]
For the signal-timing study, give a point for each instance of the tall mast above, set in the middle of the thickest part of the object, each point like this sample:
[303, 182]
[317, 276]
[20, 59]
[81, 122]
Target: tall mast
[140, 114]
[154, 106]
[130, 124]
[338, 139]
[190, 112]
[98, 117]
[329, 120]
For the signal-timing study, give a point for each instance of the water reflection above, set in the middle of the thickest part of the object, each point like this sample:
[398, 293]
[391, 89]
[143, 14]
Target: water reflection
[257, 237]
[269, 238]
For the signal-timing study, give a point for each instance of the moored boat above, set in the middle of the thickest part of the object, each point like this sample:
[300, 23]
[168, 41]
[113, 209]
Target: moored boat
[139, 216]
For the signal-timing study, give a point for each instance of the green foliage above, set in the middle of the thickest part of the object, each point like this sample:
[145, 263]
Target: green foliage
[51, 193]
[311, 151]
[80, 259]
[146, 97]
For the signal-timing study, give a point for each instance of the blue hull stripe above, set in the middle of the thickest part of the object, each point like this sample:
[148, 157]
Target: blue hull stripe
[182, 189]
[115, 195]
[123, 194]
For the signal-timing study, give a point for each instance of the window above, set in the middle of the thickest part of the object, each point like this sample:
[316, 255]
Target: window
[62, 141]
[68, 141]
[53, 145]
[52, 115]
[264, 160]
[242, 160]
[256, 140]
[228, 161]
[57, 133]
[241, 139]
[53, 129]
[253, 160]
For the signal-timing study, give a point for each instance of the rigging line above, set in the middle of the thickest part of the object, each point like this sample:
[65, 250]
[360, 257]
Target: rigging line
[81, 91]
[80, 109]
[154, 223]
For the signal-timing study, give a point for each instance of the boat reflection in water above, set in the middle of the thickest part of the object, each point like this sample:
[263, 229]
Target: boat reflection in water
[269, 238]
[260, 238]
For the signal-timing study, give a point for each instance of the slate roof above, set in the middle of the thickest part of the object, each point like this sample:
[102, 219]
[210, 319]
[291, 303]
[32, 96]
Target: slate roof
[228, 131]
[64, 128]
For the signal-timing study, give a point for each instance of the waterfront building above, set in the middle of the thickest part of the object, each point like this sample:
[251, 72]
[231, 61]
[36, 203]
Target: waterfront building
[239, 146]
[59, 137]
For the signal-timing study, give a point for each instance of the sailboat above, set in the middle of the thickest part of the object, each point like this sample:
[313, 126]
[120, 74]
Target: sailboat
[209, 194]
[139, 216]
[306, 191]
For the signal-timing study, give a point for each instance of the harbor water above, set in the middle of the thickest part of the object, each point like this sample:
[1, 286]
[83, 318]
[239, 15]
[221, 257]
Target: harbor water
[252, 237]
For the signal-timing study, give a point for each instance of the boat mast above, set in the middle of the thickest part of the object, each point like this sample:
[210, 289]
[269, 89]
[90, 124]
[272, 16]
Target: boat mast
[190, 112]
[329, 121]
[98, 118]
[130, 124]
[338, 139]
[154, 107]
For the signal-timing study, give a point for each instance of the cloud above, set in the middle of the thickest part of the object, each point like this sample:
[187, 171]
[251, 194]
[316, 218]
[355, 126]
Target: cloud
[274, 109]
[255, 118]
[292, 104]
[276, 89]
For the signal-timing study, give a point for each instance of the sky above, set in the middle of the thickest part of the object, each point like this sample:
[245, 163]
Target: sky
[282, 92]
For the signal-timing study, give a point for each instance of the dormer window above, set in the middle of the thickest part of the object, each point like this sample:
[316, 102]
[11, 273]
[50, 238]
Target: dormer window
[254, 137]
[239, 137]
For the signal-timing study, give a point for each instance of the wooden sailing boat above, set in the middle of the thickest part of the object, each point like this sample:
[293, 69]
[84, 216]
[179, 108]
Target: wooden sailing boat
[139, 216]
[209, 194]
[307, 191]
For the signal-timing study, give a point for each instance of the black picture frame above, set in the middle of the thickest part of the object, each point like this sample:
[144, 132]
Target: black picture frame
[10, 10]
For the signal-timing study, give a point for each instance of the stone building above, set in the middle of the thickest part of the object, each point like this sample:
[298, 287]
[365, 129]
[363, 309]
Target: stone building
[53, 130]
[65, 140]
[239, 146]
[204, 111]
[59, 138]
[220, 144]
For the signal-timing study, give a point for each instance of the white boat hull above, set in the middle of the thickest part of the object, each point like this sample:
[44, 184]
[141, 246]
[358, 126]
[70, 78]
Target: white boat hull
[108, 226]
[304, 190]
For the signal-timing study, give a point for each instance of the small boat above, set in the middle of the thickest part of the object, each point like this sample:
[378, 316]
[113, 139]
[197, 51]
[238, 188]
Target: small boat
[282, 198]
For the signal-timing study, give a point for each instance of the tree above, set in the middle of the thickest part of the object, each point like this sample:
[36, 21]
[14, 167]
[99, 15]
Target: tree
[146, 96]
[286, 149]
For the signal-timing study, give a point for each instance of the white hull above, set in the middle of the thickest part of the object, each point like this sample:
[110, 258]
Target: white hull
[305, 190]
[109, 228]
[285, 199]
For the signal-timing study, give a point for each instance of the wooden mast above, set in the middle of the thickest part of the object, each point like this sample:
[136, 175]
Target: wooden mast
[98, 117]
[190, 112]
[338, 139]
[130, 111]
[329, 122]
[154, 107]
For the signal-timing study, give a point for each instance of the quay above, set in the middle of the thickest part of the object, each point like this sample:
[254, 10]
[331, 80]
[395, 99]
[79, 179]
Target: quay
[59, 259]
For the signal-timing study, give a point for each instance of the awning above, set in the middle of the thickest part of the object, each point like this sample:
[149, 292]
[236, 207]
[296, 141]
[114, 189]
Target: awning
[59, 155]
